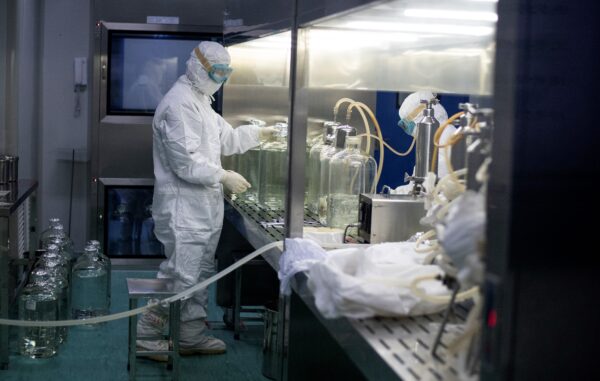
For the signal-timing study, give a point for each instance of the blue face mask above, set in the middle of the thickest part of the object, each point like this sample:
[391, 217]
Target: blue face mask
[217, 72]
[407, 125]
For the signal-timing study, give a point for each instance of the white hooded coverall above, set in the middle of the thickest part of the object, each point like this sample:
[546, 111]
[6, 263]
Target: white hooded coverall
[189, 138]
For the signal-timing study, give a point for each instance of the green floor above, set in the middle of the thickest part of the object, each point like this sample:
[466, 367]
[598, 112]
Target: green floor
[101, 353]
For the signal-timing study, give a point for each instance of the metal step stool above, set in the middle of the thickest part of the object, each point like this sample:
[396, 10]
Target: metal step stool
[153, 288]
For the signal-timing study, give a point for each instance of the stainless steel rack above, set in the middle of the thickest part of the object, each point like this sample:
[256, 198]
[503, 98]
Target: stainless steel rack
[17, 236]
[405, 345]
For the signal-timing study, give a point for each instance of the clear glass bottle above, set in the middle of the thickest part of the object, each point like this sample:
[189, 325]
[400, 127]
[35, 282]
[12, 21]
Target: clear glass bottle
[59, 237]
[89, 296]
[38, 303]
[49, 232]
[248, 165]
[314, 166]
[107, 265]
[45, 278]
[350, 173]
[55, 263]
[273, 170]
[339, 142]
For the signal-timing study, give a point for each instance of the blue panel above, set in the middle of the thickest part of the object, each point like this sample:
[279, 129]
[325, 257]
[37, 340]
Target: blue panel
[394, 166]
[451, 102]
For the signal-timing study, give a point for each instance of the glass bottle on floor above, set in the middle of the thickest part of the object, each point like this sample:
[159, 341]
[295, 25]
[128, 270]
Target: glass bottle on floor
[89, 290]
[49, 232]
[37, 303]
[54, 262]
[350, 173]
[59, 237]
[107, 265]
[42, 277]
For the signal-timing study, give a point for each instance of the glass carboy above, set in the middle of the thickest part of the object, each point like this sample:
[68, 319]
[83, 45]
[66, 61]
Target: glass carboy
[273, 169]
[350, 173]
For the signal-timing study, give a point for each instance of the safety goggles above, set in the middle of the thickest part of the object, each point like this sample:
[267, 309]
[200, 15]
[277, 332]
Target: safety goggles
[217, 72]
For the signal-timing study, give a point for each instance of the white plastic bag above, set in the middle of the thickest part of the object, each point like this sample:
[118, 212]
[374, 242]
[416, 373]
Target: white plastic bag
[365, 282]
[299, 255]
[462, 233]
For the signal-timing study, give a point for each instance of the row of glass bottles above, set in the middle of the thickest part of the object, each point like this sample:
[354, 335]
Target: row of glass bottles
[48, 295]
[265, 167]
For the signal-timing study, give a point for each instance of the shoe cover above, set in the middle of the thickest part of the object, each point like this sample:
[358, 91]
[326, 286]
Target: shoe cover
[152, 322]
[193, 341]
[154, 345]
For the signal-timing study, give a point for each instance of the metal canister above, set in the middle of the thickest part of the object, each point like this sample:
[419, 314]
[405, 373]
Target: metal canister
[4, 163]
[424, 149]
[9, 169]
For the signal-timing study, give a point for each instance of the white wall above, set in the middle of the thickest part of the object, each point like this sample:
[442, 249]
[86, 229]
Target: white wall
[28, 86]
[66, 35]
[8, 72]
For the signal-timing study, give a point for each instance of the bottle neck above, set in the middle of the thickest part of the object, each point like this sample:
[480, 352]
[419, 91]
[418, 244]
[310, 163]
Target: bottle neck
[90, 252]
[352, 147]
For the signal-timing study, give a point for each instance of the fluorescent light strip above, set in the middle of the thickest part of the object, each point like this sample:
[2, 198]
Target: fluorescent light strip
[450, 29]
[451, 15]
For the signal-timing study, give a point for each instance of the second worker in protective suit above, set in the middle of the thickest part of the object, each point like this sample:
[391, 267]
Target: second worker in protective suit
[189, 139]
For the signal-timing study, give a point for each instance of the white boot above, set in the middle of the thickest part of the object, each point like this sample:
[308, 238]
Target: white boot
[192, 340]
[153, 323]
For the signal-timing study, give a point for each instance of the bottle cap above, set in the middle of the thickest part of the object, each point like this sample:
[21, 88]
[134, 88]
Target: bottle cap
[342, 133]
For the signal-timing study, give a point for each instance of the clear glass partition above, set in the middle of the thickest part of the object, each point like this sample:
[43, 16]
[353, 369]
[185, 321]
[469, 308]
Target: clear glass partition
[258, 93]
[377, 55]
[406, 45]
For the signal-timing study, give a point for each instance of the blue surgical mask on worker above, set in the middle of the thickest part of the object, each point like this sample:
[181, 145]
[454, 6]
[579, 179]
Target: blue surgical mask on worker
[219, 73]
[407, 125]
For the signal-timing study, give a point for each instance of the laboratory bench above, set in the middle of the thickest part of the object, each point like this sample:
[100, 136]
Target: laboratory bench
[356, 349]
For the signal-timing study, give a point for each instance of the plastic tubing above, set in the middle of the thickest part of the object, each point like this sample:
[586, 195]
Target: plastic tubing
[438, 299]
[412, 145]
[163, 302]
[438, 135]
[438, 188]
[431, 233]
[367, 129]
[362, 114]
[414, 113]
[336, 108]
[378, 129]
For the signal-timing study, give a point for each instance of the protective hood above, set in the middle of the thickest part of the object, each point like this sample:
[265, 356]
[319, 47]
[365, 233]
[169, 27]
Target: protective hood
[414, 100]
[215, 54]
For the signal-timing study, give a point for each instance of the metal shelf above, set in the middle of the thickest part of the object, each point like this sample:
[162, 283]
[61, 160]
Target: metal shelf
[272, 221]
[405, 344]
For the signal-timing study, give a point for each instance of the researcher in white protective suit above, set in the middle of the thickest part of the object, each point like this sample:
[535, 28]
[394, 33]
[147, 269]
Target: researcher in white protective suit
[189, 139]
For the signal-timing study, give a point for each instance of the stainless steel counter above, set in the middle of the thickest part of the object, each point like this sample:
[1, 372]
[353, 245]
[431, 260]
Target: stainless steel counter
[380, 348]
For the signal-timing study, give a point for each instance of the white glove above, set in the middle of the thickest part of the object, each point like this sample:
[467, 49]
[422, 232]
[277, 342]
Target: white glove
[266, 133]
[234, 182]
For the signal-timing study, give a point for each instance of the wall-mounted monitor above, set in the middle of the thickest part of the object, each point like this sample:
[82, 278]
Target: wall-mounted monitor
[142, 61]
